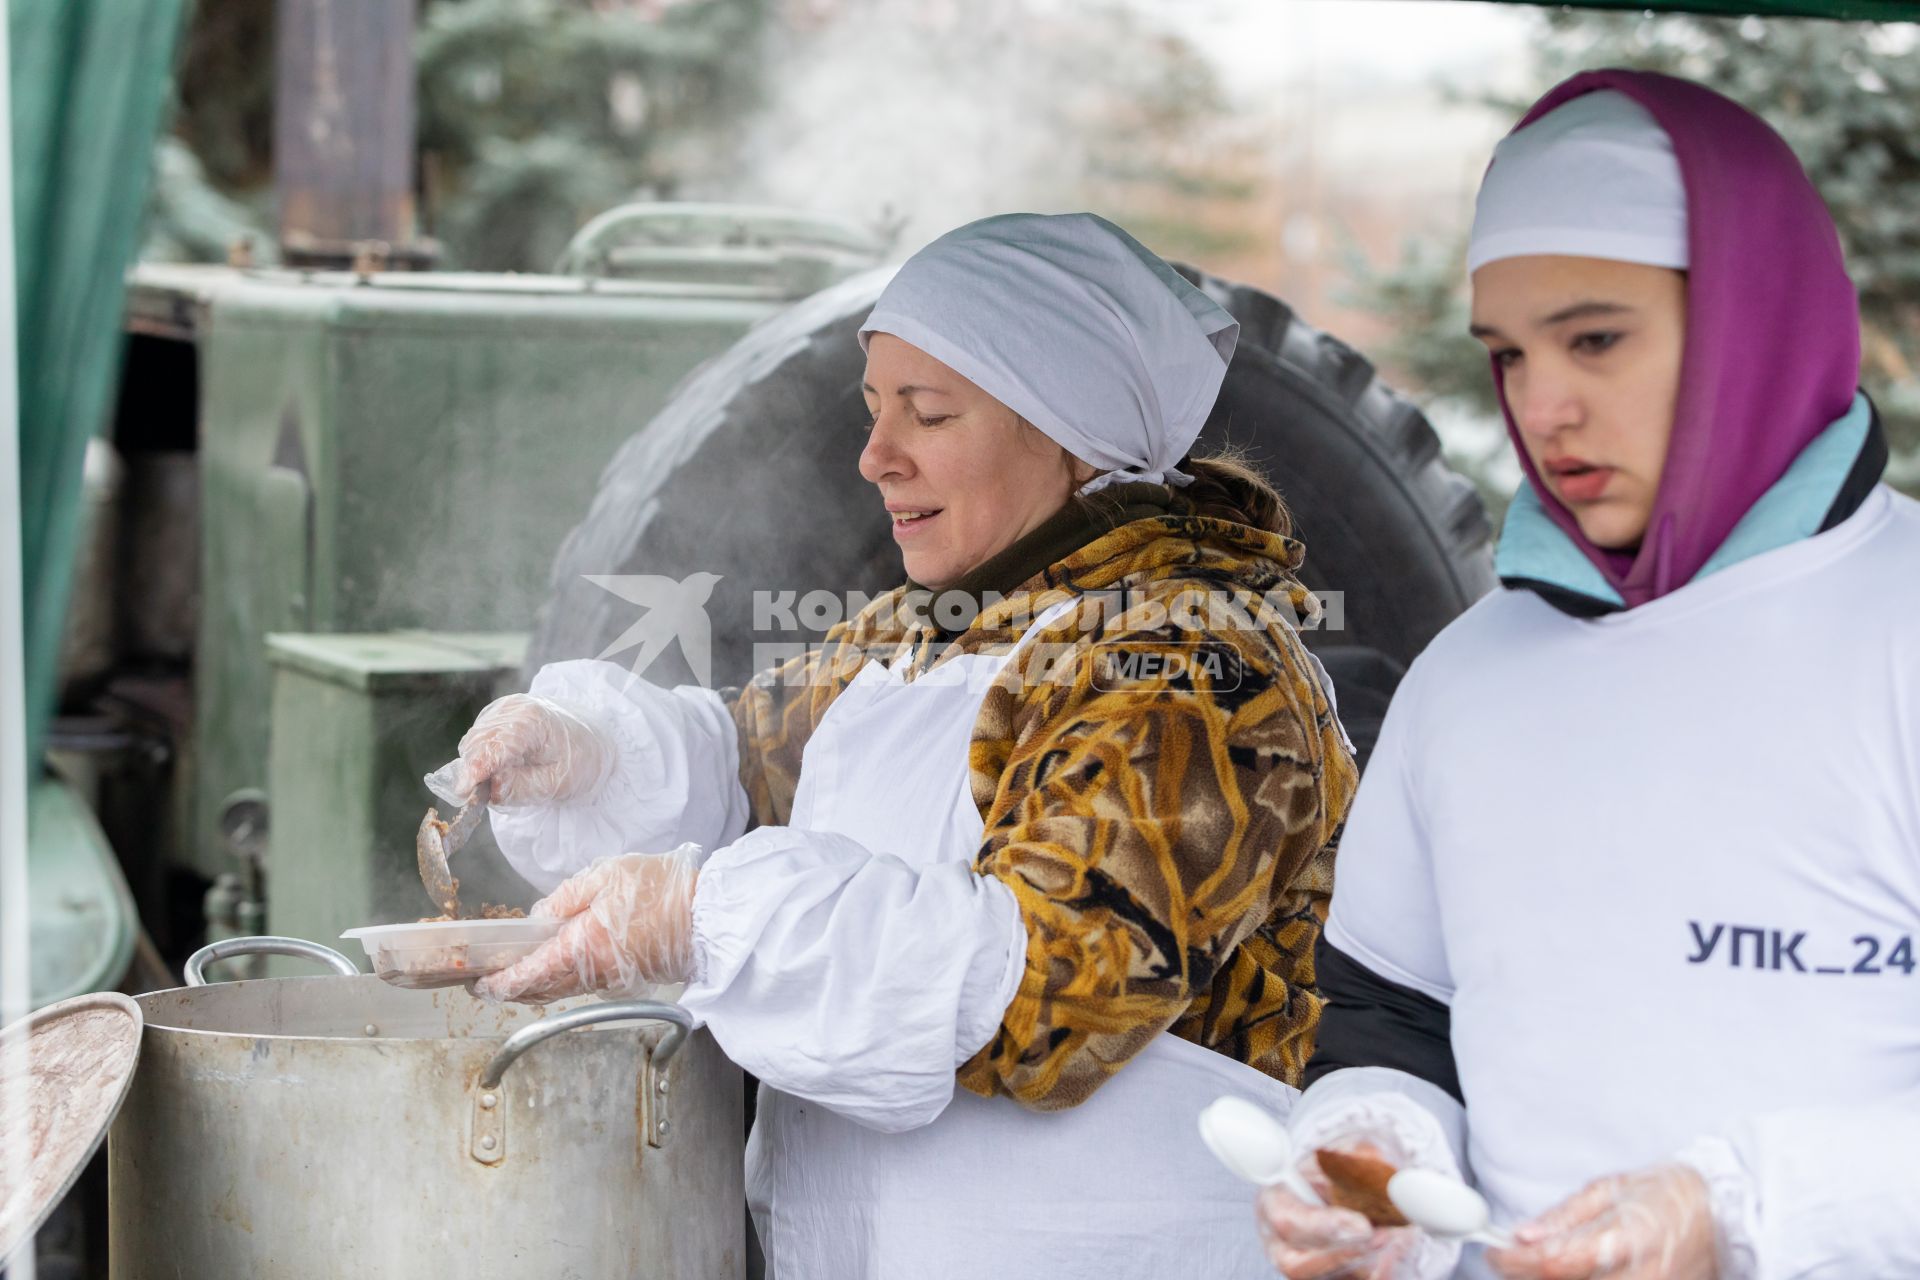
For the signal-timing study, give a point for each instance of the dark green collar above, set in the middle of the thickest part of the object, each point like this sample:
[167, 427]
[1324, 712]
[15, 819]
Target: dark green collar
[1067, 530]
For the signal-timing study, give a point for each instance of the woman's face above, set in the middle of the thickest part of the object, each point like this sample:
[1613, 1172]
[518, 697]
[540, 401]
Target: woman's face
[961, 474]
[1589, 352]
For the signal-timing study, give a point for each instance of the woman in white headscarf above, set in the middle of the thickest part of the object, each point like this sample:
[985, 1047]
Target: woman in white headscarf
[1066, 841]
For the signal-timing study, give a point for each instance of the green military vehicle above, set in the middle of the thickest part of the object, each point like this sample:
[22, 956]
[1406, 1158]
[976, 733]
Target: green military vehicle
[339, 496]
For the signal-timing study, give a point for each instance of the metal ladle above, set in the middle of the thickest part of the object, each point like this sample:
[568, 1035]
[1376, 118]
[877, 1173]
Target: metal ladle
[437, 841]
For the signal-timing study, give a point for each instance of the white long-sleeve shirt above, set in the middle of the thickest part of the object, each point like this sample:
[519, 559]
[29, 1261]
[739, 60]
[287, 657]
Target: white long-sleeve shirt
[1664, 868]
[833, 972]
[674, 779]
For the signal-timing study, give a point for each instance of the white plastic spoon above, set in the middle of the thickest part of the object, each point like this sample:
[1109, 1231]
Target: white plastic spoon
[1445, 1207]
[1253, 1145]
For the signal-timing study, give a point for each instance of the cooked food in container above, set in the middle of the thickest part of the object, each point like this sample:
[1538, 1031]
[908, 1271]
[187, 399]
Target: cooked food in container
[447, 953]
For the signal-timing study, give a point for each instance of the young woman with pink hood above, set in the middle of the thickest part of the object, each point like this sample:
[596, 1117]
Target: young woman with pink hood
[1624, 923]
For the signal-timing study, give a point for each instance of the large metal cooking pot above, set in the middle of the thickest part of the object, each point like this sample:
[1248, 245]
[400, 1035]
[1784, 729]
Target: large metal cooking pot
[331, 1127]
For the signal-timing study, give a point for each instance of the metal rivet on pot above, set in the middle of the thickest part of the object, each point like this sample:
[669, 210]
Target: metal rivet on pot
[487, 1100]
[370, 1029]
[661, 1085]
[661, 1128]
[488, 1143]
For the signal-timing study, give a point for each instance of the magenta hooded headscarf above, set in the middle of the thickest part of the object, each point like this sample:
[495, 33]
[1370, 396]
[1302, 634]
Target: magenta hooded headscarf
[1773, 330]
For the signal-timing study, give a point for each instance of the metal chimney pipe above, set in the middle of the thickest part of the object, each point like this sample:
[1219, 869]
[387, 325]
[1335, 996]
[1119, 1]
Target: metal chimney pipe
[343, 133]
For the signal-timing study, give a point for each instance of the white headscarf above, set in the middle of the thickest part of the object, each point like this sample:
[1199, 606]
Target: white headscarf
[1075, 326]
[1593, 178]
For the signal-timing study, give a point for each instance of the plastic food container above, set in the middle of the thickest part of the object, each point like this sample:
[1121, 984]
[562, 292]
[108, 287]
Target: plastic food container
[446, 953]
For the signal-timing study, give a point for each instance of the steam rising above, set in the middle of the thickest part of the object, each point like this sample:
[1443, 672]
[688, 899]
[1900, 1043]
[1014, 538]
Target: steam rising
[921, 116]
[912, 116]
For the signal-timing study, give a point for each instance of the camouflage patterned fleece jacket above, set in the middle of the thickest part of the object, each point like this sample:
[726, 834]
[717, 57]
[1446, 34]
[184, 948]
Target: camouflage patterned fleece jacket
[1163, 784]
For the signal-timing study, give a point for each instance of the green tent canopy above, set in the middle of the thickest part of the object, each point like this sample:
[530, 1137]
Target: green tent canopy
[87, 91]
[89, 88]
[1852, 10]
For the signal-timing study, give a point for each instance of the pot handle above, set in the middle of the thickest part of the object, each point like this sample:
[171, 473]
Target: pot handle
[489, 1137]
[612, 1011]
[228, 948]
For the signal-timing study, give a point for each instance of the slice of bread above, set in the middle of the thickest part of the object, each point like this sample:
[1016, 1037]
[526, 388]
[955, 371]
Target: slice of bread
[1360, 1183]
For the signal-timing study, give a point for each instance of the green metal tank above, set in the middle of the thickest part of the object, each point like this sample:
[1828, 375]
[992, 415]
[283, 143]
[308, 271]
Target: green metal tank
[405, 452]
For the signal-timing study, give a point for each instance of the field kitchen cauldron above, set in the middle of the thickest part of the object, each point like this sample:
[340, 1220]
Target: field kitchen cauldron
[287, 1128]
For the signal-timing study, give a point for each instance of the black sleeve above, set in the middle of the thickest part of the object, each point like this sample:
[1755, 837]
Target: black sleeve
[1863, 475]
[1370, 1022]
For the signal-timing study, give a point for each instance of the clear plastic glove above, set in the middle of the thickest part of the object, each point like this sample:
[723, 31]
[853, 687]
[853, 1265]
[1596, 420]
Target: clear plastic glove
[1315, 1241]
[1654, 1224]
[629, 926]
[536, 751]
[1318, 1242]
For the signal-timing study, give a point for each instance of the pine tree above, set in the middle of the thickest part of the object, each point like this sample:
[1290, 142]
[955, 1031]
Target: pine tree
[533, 115]
[536, 115]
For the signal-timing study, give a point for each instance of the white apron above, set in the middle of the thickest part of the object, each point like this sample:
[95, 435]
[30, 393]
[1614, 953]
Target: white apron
[1118, 1186]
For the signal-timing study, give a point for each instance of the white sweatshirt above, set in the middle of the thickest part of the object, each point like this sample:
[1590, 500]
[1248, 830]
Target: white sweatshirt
[1664, 867]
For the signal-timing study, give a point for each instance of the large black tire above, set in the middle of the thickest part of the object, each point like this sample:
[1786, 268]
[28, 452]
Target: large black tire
[751, 472]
